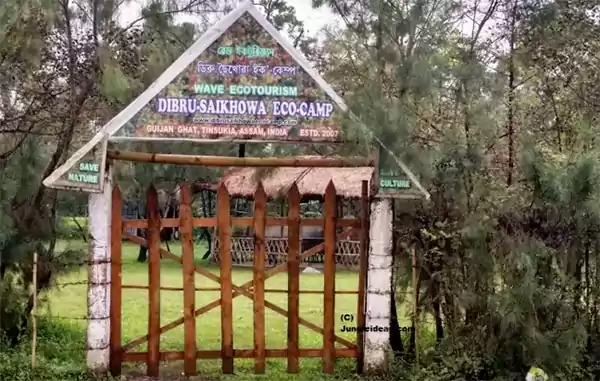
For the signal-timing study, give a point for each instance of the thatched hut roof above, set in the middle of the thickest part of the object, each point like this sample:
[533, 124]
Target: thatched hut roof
[242, 182]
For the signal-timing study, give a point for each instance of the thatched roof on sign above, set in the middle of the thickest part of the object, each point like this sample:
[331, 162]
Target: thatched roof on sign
[242, 182]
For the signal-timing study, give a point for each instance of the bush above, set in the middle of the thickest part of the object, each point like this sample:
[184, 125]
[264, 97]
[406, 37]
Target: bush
[60, 355]
[13, 299]
[69, 228]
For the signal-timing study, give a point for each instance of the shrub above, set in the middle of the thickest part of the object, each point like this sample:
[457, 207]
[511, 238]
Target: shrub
[60, 355]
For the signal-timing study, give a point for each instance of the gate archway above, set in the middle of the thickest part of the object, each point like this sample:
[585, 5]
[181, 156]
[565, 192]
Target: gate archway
[226, 88]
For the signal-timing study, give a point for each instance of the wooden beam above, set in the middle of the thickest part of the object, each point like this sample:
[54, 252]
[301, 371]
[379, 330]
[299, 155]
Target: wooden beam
[116, 283]
[224, 231]
[212, 354]
[226, 161]
[189, 281]
[260, 250]
[329, 280]
[153, 283]
[293, 342]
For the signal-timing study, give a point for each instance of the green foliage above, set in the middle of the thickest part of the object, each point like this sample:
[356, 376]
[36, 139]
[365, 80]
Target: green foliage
[504, 139]
[13, 299]
[60, 355]
[70, 228]
[508, 247]
[115, 85]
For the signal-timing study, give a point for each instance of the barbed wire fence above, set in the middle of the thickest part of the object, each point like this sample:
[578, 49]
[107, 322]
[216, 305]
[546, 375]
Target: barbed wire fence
[56, 285]
[411, 311]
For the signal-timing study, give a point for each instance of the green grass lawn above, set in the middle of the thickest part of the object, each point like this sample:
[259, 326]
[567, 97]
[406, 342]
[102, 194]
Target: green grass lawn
[69, 302]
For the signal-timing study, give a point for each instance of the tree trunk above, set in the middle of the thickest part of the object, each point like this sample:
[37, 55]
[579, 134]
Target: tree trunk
[413, 332]
[437, 313]
[511, 96]
[143, 252]
[395, 333]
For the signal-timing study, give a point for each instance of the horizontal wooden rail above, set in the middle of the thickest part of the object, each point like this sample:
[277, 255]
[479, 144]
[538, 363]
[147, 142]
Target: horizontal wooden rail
[162, 288]
[341, 292]
[211, 222]
[215, 289]
[238, 290]
[237, 353]
[226, 161]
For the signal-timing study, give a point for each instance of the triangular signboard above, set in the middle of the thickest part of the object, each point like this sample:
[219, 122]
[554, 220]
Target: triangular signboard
[249, 84]
[241, 81]
[87, 175]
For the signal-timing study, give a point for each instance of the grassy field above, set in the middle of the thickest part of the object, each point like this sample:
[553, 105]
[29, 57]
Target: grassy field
[68, 303]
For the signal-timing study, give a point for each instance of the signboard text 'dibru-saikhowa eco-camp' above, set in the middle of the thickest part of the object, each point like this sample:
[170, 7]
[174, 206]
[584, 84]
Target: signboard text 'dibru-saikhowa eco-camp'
[241, 81]
[245, 86]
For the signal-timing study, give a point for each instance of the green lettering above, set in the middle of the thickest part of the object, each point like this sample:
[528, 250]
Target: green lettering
[83, 178]
[289, 91]
[211, 89]
[393, 183]
[89, 167]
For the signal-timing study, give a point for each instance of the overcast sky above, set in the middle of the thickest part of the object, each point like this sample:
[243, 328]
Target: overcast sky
[314, 19]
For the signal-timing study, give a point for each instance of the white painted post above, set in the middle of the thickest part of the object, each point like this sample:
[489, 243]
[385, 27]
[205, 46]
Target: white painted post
[378, 314]
[98, 328]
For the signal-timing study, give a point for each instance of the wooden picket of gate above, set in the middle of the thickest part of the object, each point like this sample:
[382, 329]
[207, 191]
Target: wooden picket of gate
[254, 289]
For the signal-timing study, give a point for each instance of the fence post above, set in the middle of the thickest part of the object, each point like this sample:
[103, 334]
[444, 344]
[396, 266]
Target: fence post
[224, 231]
[99, 277]
[34, 311]
[293, 261]
[115, 287]
[260, 213]
[189, 280]
[379, 282]
[153, 283]
[362, 274]
[329, 282]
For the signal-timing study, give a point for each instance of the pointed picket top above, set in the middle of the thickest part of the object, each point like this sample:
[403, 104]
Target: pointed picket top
[294, 194]
[186, 194]
[117, 210]
[330, 196]
[260, 196]
[152, 203]
[116, 192]
[222, 193]
[186, 103]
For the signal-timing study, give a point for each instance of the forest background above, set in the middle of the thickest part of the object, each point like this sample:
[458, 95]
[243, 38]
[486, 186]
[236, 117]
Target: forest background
[494, 104]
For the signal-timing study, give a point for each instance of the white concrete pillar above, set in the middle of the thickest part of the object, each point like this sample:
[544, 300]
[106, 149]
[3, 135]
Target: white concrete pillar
[98, 328]
[378, 314]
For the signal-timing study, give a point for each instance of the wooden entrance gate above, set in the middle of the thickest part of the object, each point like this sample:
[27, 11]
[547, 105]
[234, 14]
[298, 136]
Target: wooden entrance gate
[335, 230]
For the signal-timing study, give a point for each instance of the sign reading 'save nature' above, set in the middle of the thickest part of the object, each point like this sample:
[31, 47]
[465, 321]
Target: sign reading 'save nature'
[245, 86]
[88, 173]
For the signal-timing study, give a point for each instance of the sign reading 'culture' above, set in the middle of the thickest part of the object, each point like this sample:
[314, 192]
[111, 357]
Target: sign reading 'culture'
[245, 86]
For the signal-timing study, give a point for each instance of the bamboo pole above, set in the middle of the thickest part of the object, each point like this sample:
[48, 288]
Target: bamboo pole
[415, 311]
[34, 311]
[226, 161]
